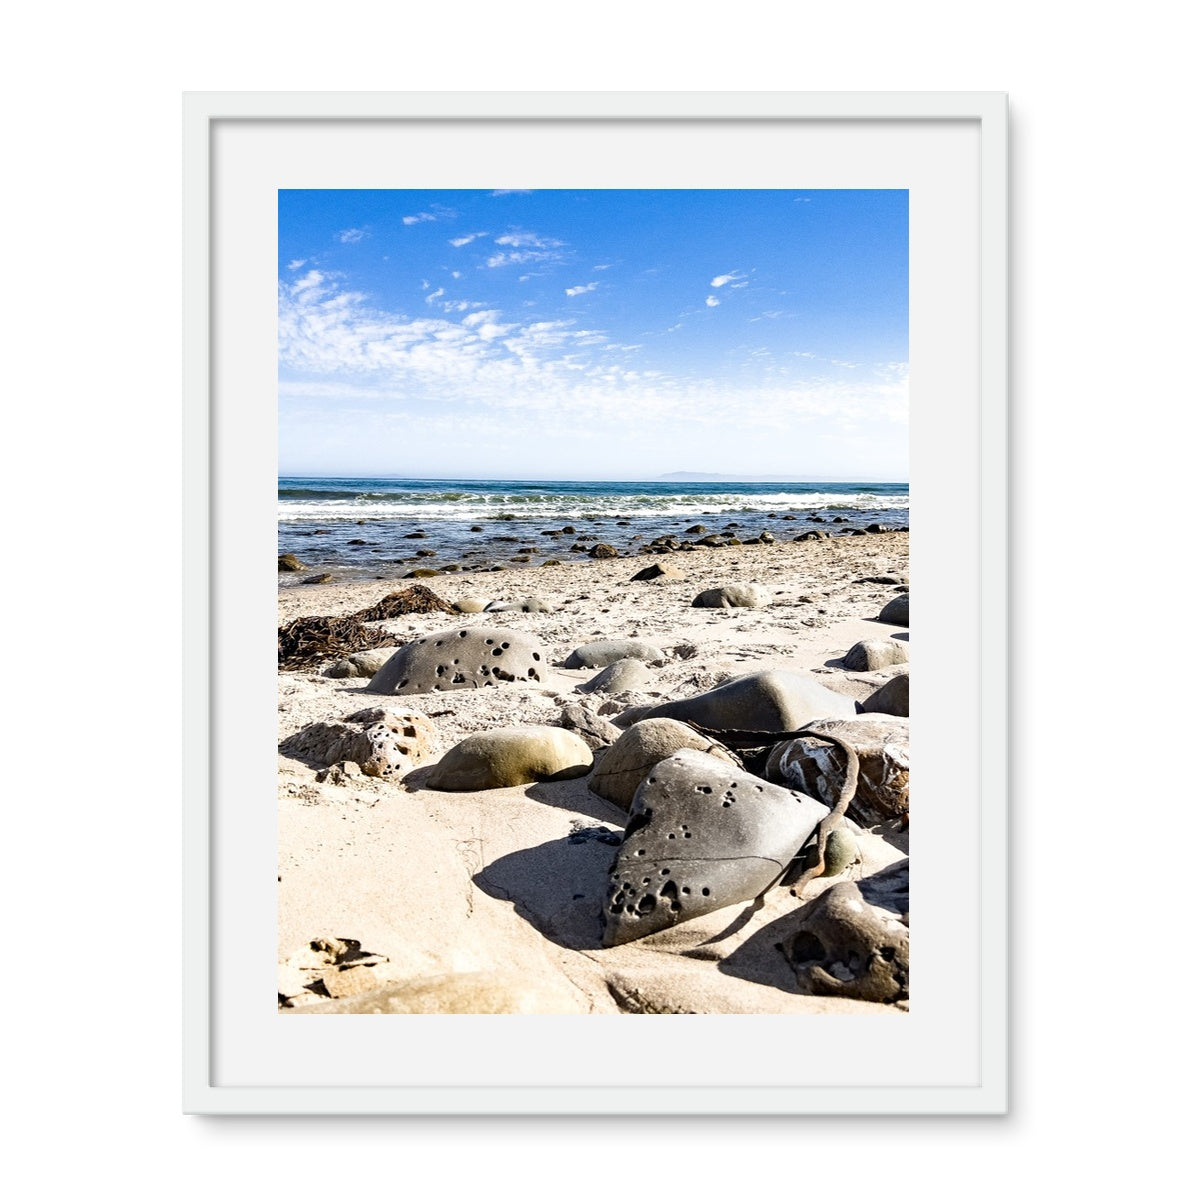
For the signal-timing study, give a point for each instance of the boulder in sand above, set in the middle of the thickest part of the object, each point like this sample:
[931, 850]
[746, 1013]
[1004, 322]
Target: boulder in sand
[594, 730]
[701, 835]
[499, 758]
[385, 742]
[362, 665]
[289, 562]
[895, 612]
[625, 675]
[732, 595]
[461, 658]
[659, 572]
[605, 653]
[639, 750]
[891, 699]
[818, 768]
[875, 654]
[769, 701]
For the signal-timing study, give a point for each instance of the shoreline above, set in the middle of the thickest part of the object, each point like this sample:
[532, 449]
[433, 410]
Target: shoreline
[468, 886]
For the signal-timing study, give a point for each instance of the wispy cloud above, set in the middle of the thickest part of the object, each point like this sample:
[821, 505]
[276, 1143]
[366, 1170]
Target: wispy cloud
[435, 295]
[520, 239]
[513, 192]
[437, 213]
[296, 264]
[352, 235]
[712, 301]
[583, 287]
[467, 238]
[417, 218]
[733, 277]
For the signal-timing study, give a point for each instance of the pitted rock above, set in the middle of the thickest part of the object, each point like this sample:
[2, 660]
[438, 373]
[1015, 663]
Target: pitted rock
[701, 835]
[385, 742]
[773, 701]
[461, 658]
[639, 750]
[498, 758]
[818, 768]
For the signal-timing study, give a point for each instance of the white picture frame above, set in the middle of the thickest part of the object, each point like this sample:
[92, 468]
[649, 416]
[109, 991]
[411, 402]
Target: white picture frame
[950, 150]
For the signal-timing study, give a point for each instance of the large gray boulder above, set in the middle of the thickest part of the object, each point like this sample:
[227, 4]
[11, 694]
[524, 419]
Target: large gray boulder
[639, 750]
[362, 665]
[605, 653]
[771, 701]
[818, 767]
[875, 654]
[461, 658]
[895, 612]
[891, 699]
[701, 835]
[500, 758]
[732, 595]
[625, 675]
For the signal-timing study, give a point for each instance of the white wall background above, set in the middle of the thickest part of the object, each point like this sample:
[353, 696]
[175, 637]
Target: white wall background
[1104, 321]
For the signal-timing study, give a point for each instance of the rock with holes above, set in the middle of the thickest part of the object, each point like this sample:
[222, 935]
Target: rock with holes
[604, 654]
[875, 654]
[362, 665]
[852, 940]
[625, 675]
[499, 758]
[818, 768]
[770, 701]
[892, 698]
[895, 612]
[461, 658]
[732, 595]
[386, 743]
[701, 835]
[639, 750]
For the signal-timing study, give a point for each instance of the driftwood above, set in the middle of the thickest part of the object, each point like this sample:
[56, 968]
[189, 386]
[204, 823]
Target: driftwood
[308, 640]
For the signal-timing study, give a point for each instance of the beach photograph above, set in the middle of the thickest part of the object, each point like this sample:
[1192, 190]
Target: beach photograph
[593, 602]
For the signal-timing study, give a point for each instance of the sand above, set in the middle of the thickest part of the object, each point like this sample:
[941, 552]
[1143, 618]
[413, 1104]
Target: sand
[490, 901]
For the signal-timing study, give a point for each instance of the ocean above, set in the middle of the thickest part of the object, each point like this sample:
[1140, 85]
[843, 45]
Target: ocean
[369, 528]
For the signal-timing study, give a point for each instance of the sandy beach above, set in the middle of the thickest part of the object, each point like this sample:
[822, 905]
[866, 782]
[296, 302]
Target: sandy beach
[398, 896]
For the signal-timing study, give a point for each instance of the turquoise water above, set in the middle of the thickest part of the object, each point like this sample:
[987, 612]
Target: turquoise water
[359, 528]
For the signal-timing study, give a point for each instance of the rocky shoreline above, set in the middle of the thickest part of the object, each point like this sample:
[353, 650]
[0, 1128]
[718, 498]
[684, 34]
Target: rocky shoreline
[625, 785]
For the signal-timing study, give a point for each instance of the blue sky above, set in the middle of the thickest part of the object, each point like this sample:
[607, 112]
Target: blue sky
[594, 334]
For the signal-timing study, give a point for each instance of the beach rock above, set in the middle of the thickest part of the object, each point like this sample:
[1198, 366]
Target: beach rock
[841, 850]
[696, 529]
[289, 562]
[852, 940]
[818, 768]
[421, 573]
[605, 653]
[469, 604]
[362, 665]
[892, 698]
[813, 535]
[701, 835]
[481, 992]
[384, 742]
[498, 758]
[639, 750]
[603, 550]
[895, 612]
[875, 655]
[324, 577]
[529, 604]
[713, 540]
[875, 527]
[771, 701]
[461, 658]
[733, 595]
[766, 538]
[593, 729]
[656, 571]
[625, 675]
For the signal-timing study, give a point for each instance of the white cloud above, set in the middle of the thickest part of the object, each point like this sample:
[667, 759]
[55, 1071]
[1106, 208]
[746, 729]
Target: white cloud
[434, 295]
[296, 264]
[585, 287]
[417, 218]
[467, 238]
[513, 192]
[352, 235]
[712, 301]
[732, 277]
[519, 239]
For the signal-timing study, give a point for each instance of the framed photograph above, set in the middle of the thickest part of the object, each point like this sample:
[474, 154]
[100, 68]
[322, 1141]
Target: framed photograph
[597, 440]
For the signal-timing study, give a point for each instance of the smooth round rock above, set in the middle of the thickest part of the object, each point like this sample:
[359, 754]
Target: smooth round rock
[891, 699]
[361, 665]
[625, 675]
[701, 835]
[875, 654]
[841, 849]
[605, 653]
[771, 701]
[733, 595]
[895, 612]
[498, 758]
[469, 604]
[639, 750]
[461, 658]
